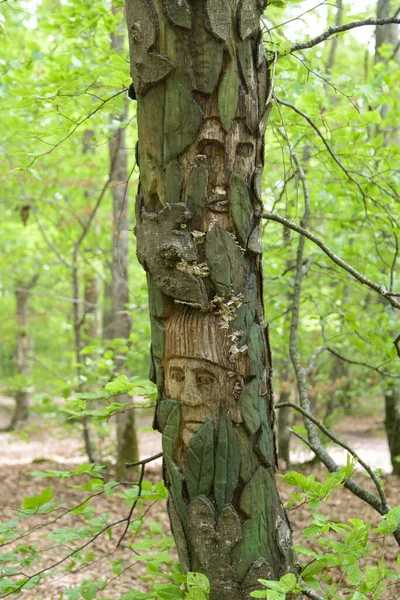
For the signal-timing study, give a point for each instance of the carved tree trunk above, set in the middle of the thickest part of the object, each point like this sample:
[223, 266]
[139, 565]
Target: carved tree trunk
[127, 443]
[285, 419]
[201, 82]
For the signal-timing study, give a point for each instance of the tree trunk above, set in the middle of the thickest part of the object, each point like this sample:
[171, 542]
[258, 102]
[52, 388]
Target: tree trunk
[202, 82]
[22, 396]
[389, 34]
[127, 442]
[392, 424]
[22, 296]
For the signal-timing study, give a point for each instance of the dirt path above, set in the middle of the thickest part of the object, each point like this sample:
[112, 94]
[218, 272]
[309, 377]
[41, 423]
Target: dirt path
[41, 447]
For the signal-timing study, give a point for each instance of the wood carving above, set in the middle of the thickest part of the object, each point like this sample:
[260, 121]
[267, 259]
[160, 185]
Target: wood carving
[201, 81]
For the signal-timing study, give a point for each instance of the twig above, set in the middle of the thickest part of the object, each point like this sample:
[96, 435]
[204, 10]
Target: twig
[145, 461]
[128, 520]
[362, 364]
[308, 591]
[380, 289]
[340, 29]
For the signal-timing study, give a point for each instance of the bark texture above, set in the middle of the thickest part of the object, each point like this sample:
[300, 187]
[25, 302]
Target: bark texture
[392, 424]
[201, 82]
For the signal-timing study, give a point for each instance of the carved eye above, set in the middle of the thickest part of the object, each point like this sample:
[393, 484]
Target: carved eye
[177, 375]
[205, 378]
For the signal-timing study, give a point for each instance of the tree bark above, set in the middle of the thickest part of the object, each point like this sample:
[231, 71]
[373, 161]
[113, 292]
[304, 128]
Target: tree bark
[22, 295]
[202, 82]
[392, 424]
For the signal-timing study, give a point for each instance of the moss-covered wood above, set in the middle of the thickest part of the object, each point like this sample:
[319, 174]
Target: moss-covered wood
[202, 81]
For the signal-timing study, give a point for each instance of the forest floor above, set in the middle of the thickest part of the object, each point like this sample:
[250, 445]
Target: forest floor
[44, 445]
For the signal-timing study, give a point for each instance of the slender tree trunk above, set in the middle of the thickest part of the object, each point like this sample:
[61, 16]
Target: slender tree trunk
[392, 424]
[22, 295]
[389, 34]
[127, 442]
[202, 83]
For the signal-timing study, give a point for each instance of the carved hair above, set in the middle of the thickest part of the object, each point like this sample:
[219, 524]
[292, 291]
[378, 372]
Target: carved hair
[195, 334]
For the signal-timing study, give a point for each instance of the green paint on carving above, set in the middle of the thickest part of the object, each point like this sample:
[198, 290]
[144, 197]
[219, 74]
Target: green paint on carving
[176, 490]
[227, 462]
[225, 261]
[150, 121]
[260, 503]
[169, 416]
[246, 63]
[249, 406]
[255, 343]
[265, 446]
[159, 304]
[183, 118]
[249, 462]
[173, 182]
[200, 461]
[179, 536]
[228, 95]
[218, 18]
[241, 207]
[157, 338]
[206, 53]
[178, 12]
[196, 195]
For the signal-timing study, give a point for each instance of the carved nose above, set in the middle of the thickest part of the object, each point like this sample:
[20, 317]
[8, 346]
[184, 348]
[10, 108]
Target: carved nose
[191, 395]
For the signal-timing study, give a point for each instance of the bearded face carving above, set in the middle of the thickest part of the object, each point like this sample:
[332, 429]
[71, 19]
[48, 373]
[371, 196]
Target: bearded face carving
[198, 372]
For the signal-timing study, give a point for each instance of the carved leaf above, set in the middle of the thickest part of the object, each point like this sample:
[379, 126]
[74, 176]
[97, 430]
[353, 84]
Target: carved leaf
[260, 503]
[249, 18]
[241, 208]
[225, 261]
[179, 536]
[227, 462]
[176, 490]
[218, 18]
[229, 95]
[249, 405]
[169, 414]
[178, 12]
[200, 461]
[183, 117]
[196, 194]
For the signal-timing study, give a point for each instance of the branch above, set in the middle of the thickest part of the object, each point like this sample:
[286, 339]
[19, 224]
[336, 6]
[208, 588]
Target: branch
[337, 441]
[144, 461]
[340, 29]
[362, 364]
[339, 162]
[380, 289]
[308, 591]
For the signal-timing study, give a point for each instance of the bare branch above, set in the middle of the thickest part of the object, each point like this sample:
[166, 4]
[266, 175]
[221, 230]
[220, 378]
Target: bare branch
[327, 432]
[144, 461]
[362, 364]
[380, 289]
[340, 29]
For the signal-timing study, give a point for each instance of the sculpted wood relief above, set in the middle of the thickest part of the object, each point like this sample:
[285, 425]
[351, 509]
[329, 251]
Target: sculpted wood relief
[201, 80]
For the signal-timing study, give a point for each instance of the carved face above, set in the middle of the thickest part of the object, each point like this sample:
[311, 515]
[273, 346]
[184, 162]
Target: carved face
[201, 387]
